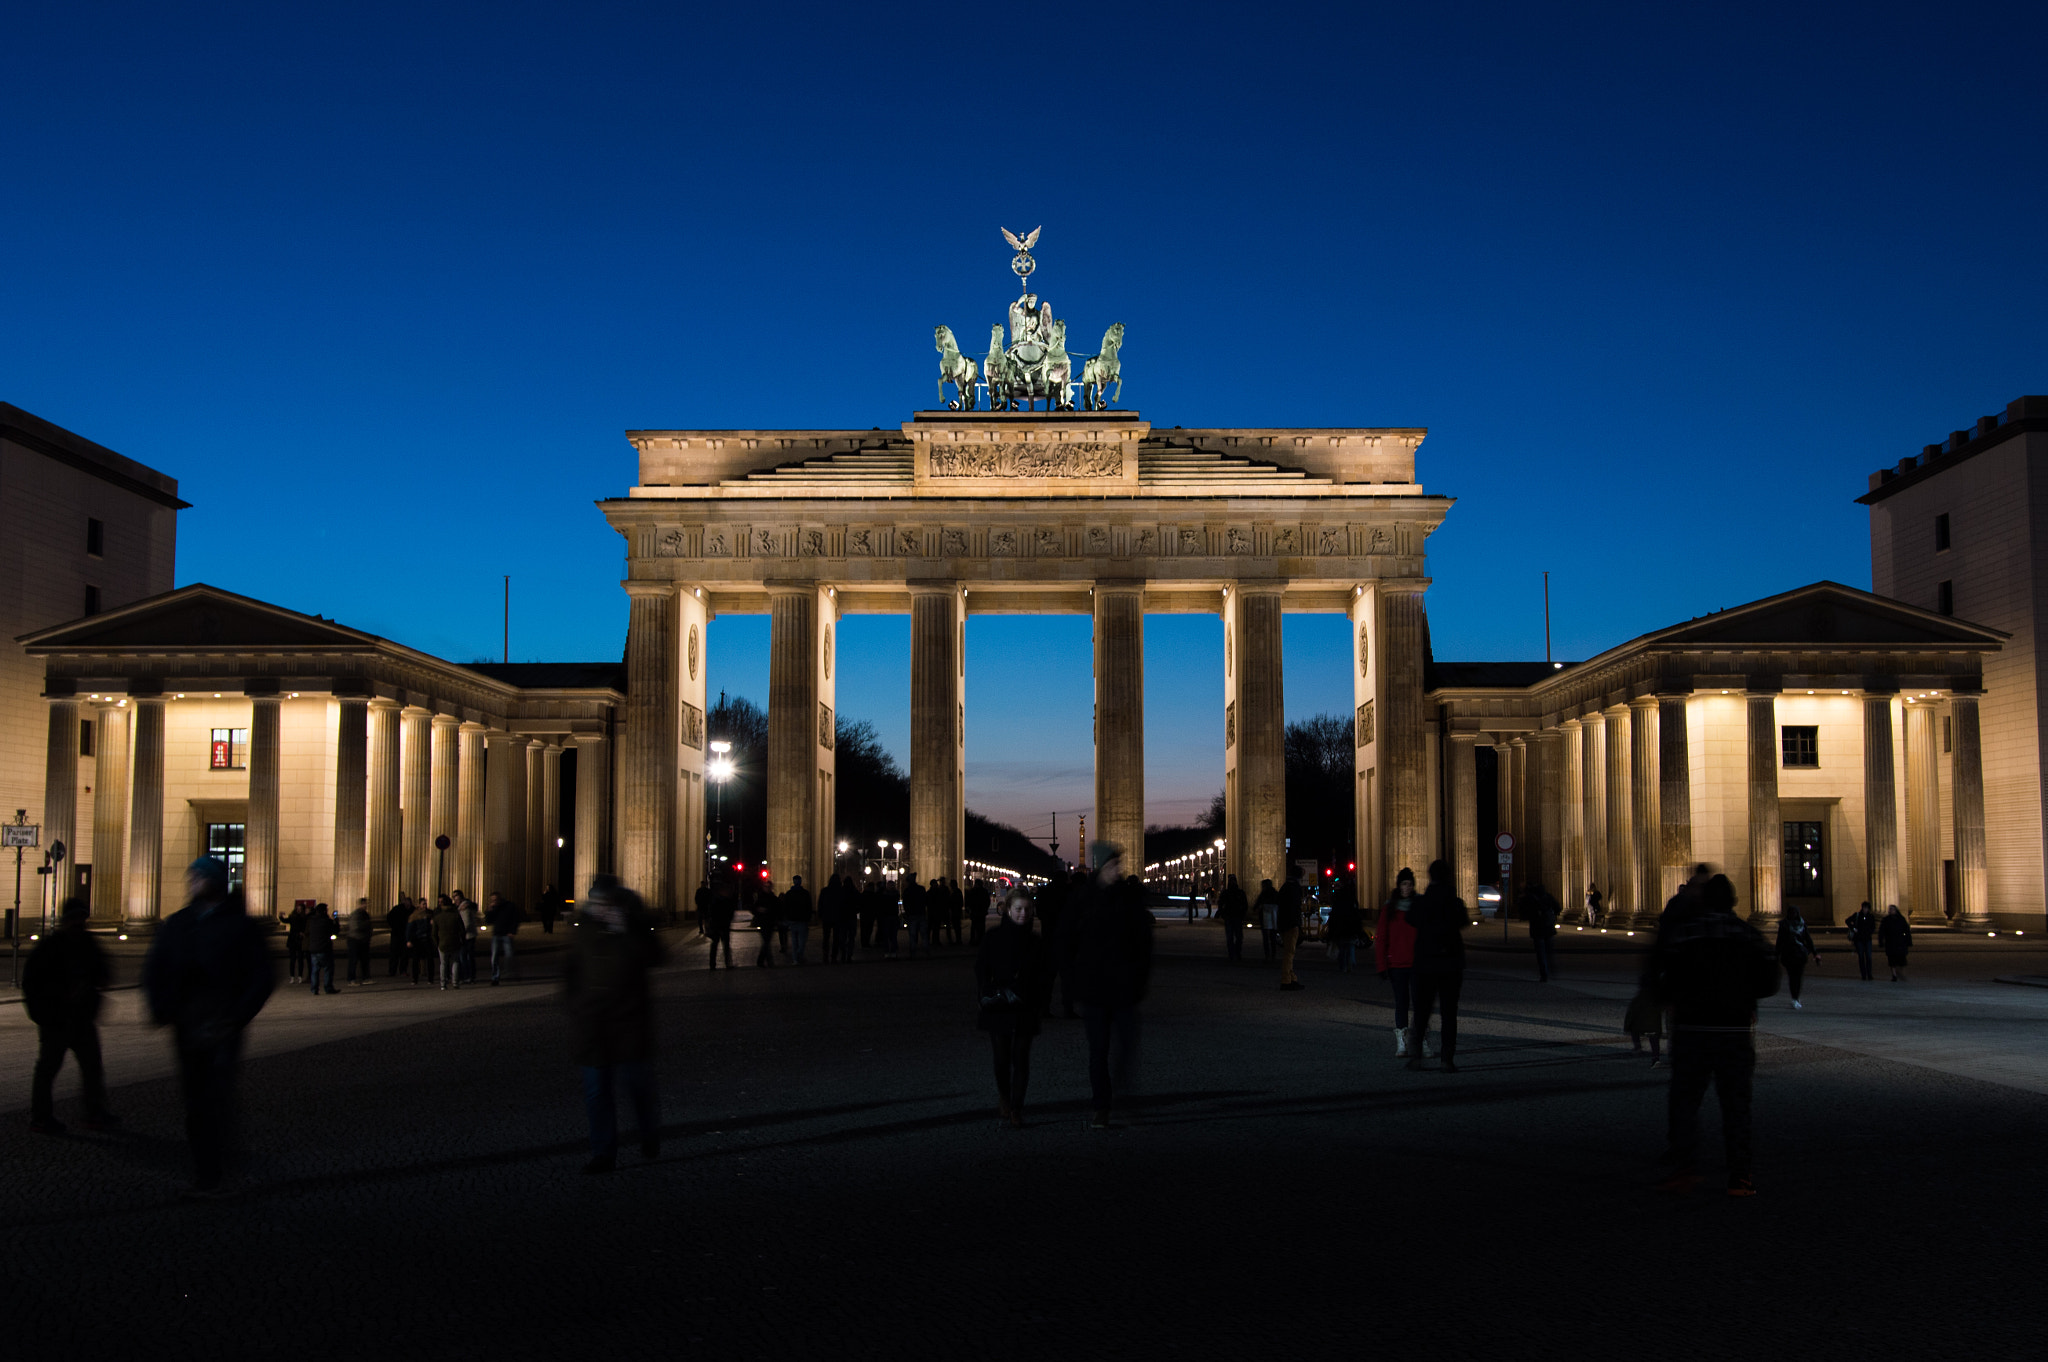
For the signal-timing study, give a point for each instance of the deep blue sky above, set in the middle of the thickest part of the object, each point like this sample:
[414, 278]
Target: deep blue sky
[383, 285]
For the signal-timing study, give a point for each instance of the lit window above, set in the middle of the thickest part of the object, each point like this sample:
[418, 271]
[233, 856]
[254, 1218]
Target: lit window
[1802, 744]
[230, 749]
[1941, 532]
[228, 843]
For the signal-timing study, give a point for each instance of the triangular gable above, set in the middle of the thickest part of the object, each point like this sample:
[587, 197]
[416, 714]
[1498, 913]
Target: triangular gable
[1827, 615]
[201, 618]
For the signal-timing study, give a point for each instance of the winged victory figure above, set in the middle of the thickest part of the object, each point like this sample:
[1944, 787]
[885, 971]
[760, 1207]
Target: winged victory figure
[1026, 243]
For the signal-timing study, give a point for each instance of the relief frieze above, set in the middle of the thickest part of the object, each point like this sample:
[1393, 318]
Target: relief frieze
[1085, 459]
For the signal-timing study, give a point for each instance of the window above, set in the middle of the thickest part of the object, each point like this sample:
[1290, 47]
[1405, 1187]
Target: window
[92, 600]
[95, 537]
[1945, 597]
[228, 842]
[1802, 745]
[1941, 532]
[230, 749]
[1804, 863]
[85, 737]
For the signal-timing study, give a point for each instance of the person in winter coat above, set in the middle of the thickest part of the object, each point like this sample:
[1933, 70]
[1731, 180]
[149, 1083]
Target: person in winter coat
[1439, 919]
[1111, 930]
[605, 987]
[319, 932]
[1539, 910]
[1011, 979]
[419, 942]
[472, 927]
[796, 915]
[1347, 925]
[1393, 952]
[1711, 967]
[450, 934]
[360, 929]
[295, 944]
[1795, 948]
[61, 985]
[1267, 909]
[502, 917]
[1861, 928]
[207, 975]
[1895, 934]
[1287, 921]
[718, 915]
[395, 922]
[1236, 911]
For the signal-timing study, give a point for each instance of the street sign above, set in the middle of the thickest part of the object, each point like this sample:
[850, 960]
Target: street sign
[21, 834]
[1504, 842]
[1507, 858]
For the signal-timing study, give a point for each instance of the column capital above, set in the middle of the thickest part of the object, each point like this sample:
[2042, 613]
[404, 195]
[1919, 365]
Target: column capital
[932, 586]
[1643, 702]
[1257, 587]
[653, 589]
[586, 740]
[1569, 724]
[383, 702]
[1760, 687]
[446, 720]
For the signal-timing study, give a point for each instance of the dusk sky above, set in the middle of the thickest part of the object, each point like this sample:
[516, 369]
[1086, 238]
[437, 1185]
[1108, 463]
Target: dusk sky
[383, 286]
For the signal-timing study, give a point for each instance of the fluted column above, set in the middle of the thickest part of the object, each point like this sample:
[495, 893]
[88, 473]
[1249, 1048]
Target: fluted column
[693, 619]
[1923, 814]
[380, 881]
[1514, 818]
[1403, 744]
[1593, 789]
[504, 817]
[793, 735]
[537, 829]
[1880, 803]
[416, 809]
[937, 711]
[472, 833]
[1674, 794]
[550, 818]
[60, 787]
[647, 799]
[1973, 908]
[1120, 716]
[593, 780]
[110, 815]
[259, 864]
[1766, 831]
[146, 812]
[1572, 869]
[1619, 791]
[1646, 839]
[444, 805]
[1261, 723]
[1464, 803]
[351, 801]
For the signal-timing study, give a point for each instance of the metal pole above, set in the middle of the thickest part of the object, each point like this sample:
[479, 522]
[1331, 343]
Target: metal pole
[508, 614]
[1546, 617]
[14, 926]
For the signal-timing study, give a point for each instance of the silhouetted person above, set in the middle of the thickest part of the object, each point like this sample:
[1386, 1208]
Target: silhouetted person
[61, 983]
[360, 929]
[319, 932]
[917, 910]
[1347, 925]
[1594, 910]
[206, 976]
[1712, 967]
[1287, 924]
[1236, 911]
[605, 987]
[502, 917]
[295, 944]
[1795, 947]
[472, 927]
[1112, 934]
[1393, 950]
[551, 907]
[1440, 919]
[449, 936]
[1895, 934]
[796, 916]
[1539, 910]
[1011, 979]
[419, 941]
[1268, 909]
[1861, 928]
[395, 922]
[718, 915]
[977, 909]
[765, 910]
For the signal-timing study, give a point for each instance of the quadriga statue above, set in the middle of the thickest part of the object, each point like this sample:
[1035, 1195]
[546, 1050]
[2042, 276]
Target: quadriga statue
[956, 369]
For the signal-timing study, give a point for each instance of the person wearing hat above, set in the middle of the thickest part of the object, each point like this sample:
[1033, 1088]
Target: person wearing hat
[206, 976]
[60, 987]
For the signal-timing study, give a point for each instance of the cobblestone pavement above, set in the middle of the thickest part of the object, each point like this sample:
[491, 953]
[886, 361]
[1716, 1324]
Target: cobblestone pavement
[833, 1184]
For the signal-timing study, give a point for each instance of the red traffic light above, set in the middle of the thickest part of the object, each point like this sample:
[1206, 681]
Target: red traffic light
[1351, 865]
[764, 872]
[1329, 872]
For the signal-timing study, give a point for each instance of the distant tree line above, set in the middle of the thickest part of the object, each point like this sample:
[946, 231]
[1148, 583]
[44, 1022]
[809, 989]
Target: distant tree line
[1321, 788]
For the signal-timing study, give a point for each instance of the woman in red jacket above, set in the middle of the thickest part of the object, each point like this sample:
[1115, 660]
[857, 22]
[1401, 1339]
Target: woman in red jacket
[1393, 948]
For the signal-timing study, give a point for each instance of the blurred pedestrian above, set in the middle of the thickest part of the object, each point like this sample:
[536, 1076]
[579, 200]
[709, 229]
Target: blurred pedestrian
[1267, 907]
[765, 911]
[917, 910]
[472, 927]
[1861, 927]
[1393, 950]
[1440, 919]
[295, 943]
[502, 917]
[551, 907]
[1236, 912]
[1712, 967]
[61, 984]
[1539, 910]
[796, 914]
[419, 942]
[1595, 909]
[718, 914]
[1645, 1018]
[1895, 934]
[887, 918]
[449, 935]
[395, 922]
[978, 908]
[320, 931]
[1287, 921]
[1112, 934]
[1795, 948]
[1347, 925]
[605, 986]
[206, 976]
[359, 931]
[1011, 979]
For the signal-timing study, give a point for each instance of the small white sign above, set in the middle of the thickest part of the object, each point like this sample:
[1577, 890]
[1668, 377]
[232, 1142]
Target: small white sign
[1507, 858]
[21, 835]
[1504, 842]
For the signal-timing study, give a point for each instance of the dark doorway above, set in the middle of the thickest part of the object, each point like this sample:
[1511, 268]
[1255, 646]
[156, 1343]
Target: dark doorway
[1804, 871]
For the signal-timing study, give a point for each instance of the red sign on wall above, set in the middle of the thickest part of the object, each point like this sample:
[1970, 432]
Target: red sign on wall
[222, 754]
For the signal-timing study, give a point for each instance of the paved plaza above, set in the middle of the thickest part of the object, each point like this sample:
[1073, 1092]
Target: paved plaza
[833, 1182]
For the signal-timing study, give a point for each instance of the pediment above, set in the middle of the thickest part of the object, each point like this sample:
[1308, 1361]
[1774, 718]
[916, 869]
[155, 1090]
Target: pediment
[201, 618]
[1828, 615]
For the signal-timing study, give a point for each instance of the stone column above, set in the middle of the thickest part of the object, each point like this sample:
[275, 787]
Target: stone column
[1261, 724]
[1923, 814]
[416, 813]
[1766, 831]
[1119, 638]
[693, 620]
[1880, 803]
[1403, 745]
[110, 815]
[1514, 765]
[550, 819]
[146, 812]
[793, 735]
[1646, 837]
[504, 817]
[1674, 794]
[444, 805]
[472, 831]
[60, 789]
[938, 807]
[1620, 803]
[351, 801]
[1973, 908]
[1365, 748]
[1572, 870]
[1593, 789]
[648, 768]
[259, 869]
[593, 779]
[1464, 802]
[381, 880]
[527, 895]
